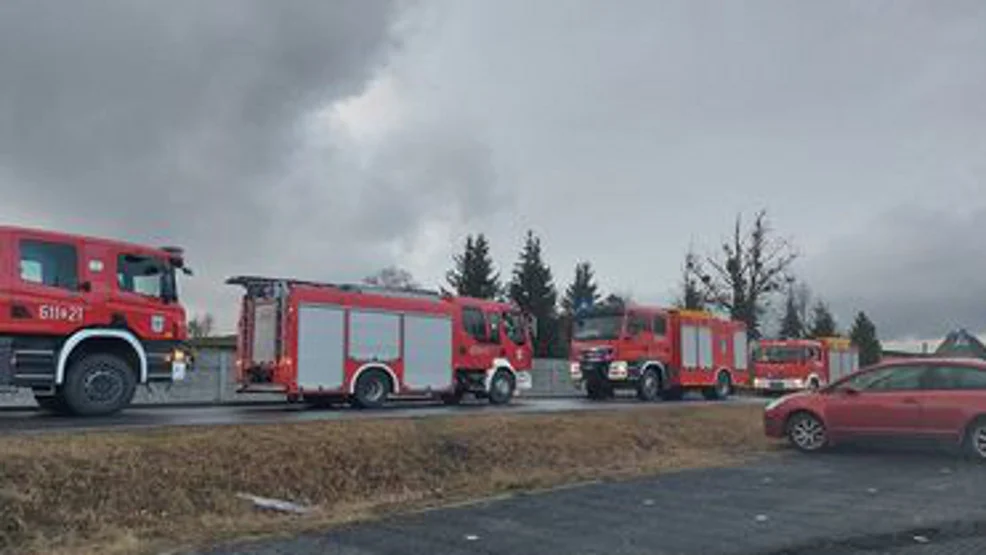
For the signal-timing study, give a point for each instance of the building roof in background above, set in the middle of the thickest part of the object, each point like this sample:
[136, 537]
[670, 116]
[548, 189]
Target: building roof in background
[961, 343]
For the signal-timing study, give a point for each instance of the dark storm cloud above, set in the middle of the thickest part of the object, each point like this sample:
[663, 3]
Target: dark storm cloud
[919, 272]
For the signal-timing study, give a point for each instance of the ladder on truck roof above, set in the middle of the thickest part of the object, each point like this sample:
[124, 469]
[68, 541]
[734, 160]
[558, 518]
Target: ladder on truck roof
[265, 284]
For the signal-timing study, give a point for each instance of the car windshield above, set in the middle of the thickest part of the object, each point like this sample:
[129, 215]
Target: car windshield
[775, 354]
[598, 327]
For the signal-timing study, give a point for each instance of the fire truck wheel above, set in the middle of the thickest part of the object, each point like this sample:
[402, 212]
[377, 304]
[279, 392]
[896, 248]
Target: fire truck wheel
[371, 389]
[722, 389]
[501, 388]
[975, 439]
[99, 384]
[649, 386]
[54, 404]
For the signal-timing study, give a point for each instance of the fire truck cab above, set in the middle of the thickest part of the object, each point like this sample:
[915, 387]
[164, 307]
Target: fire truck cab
[657, 352]
[83, 321]
[782, 365]
[323, 343]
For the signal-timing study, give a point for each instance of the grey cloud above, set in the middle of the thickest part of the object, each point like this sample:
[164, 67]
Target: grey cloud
[918, 272]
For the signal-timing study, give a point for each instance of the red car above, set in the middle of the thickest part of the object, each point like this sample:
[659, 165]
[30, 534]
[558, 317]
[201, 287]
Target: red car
[927, 398]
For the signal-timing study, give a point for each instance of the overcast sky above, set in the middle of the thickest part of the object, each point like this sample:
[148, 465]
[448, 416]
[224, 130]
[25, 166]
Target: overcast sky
[328, 138]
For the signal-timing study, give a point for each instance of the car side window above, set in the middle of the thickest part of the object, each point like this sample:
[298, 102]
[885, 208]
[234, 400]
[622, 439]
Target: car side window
[474, 323]
[51, 264]
[956, 378]
[901, 378]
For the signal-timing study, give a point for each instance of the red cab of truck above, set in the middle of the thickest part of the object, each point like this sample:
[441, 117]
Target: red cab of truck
[320, 342]
[657, 352]
[794, 364]
[83, 321]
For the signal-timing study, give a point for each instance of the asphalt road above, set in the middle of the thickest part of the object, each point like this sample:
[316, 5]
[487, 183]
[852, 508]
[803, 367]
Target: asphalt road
[34, 421]
[848, 502]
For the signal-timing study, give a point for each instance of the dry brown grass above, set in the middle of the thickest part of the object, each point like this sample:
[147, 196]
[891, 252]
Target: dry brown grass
[126, 492]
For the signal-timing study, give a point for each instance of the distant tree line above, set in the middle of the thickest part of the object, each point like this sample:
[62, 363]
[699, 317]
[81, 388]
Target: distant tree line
[751, 269]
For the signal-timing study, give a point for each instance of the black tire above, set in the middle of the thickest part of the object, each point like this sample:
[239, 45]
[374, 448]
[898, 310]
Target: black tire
[975, 439]
[649, 385]
[722, 389]
[99, 385]
[54, 404]
[501, 388]
[372, 388]
[807, 432]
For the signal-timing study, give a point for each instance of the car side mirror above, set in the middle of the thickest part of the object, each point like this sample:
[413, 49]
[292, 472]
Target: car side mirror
[849, 391]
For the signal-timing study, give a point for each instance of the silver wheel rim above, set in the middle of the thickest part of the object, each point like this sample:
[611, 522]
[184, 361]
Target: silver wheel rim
[374, 390]
[503, 386]
[808, 433]
[650, 384]
[723, 386]
[102, 386]
[979, 441]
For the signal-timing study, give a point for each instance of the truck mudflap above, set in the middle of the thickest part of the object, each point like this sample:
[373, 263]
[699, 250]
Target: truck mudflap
[6, 362]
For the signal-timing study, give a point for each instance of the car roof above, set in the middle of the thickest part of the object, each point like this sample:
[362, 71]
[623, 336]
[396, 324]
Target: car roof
[924, 361]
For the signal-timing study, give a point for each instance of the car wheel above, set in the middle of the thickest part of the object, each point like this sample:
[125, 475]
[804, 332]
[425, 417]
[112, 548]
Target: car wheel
[649, 387]
[371, 389]
[975, 439]
[807, 432]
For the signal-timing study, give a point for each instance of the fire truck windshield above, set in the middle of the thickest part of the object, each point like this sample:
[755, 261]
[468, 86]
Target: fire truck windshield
[598, 327]
[780, 355]
[147, 276]
[515, 327]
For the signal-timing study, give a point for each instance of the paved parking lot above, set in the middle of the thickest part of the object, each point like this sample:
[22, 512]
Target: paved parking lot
[846, 502]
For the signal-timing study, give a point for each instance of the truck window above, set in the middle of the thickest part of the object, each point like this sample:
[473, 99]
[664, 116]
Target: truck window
[474, 323]
[494, 335]
[51, 264]
[514, 326]
[140, 274]
[636, 324]
[660, 325]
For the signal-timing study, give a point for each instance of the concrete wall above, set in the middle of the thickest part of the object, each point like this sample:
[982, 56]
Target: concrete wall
[212, 383]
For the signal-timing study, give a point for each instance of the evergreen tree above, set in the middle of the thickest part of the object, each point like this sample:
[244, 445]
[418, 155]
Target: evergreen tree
[532, 289]
[792, 327]
[822, 321]
[864, 336]
[473, 273]
[582, 291]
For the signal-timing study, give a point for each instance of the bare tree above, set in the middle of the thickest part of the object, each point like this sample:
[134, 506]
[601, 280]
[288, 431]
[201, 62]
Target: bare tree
[392, 277]
[201, 326]
[753, 265]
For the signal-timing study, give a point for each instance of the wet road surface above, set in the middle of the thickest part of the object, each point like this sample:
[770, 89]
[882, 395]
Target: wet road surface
[34, 421]
[848, 502]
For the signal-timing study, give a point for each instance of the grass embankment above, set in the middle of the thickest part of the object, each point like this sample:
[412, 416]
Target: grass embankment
[140, 491]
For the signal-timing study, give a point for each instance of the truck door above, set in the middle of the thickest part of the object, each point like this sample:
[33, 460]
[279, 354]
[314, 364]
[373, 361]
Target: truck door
[136, 295]
[476, 349]
[46, 296]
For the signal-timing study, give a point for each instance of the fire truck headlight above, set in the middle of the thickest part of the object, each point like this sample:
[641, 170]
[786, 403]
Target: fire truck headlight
[178, 356]
[618, 370]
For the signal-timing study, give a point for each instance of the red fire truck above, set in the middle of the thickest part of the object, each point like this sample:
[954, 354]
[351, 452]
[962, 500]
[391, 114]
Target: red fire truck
[795, 364]
[657, 352]
[84, 320]
[321, 343]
